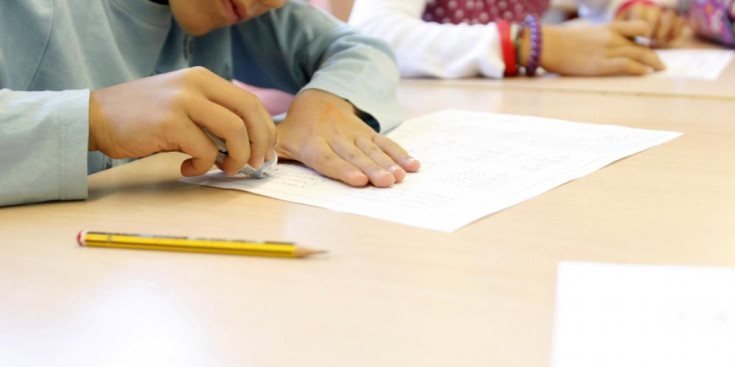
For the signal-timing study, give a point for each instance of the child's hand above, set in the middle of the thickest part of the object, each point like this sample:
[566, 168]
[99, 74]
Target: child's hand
[665, 25]
[167, 112]
[598, 50]
[323, 132]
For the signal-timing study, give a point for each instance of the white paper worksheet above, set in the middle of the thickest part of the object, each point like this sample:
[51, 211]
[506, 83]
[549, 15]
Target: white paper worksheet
[694, 63]
[472, 164]
[613, 315]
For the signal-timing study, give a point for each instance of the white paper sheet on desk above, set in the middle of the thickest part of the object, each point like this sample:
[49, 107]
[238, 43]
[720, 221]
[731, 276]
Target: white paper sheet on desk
[612, 315]
[694, 63]
[473, 164]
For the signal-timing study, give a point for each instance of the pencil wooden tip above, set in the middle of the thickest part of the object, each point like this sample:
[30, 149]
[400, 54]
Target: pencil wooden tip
[305, 252]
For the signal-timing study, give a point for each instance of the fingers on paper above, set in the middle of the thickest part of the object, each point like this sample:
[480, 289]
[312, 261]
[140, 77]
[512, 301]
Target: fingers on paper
[353, 154]
[397, 153]
[329, 163]
[378, 157]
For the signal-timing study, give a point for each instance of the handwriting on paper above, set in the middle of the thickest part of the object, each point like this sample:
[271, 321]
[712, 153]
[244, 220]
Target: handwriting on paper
[473, 164]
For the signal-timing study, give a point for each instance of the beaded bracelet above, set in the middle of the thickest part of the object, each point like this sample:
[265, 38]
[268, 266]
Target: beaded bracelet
[533, 59]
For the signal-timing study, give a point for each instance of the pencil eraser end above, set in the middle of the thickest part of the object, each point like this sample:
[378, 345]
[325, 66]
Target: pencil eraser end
[80, 236]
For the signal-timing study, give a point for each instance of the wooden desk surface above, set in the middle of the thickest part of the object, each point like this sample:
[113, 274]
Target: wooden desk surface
[722, 88]
[387, 294]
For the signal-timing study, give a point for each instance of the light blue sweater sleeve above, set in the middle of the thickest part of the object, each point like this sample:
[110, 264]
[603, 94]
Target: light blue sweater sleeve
[52, 53]
[44, 146]
[308, 49]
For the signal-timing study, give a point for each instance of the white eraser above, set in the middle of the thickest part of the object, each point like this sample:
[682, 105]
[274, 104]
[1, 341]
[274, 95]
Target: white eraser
[247, 170]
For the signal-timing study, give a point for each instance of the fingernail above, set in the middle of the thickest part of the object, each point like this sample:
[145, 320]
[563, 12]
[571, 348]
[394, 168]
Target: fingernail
[410, 161]
[386, 179]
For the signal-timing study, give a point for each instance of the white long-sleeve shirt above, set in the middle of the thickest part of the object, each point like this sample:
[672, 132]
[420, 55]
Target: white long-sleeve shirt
[430, 49]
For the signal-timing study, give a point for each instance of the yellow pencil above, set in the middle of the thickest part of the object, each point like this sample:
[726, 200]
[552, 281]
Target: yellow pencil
[193, 244]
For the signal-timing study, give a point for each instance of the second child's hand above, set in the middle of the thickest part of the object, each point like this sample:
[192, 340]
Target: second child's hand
[665, 25]
[596, 50]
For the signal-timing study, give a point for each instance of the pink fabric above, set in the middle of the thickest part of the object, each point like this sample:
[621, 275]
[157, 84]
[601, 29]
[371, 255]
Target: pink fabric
[324, 4]
[482, 11]
[275, 101]
[713, 19]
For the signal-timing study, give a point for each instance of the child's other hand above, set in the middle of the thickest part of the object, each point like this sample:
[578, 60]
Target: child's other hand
[665, 25]
[167, 112]
[598, 50]
[322, 131]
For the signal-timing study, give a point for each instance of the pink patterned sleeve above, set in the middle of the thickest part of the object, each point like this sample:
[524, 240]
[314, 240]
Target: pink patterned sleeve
[711, 19]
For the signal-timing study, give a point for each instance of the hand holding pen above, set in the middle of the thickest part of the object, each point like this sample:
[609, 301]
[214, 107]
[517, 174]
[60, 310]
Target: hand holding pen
[665, 24]
[601, 50]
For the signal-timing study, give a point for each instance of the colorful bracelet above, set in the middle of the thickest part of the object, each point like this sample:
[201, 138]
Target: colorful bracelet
[533, 59]
[509, 53]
